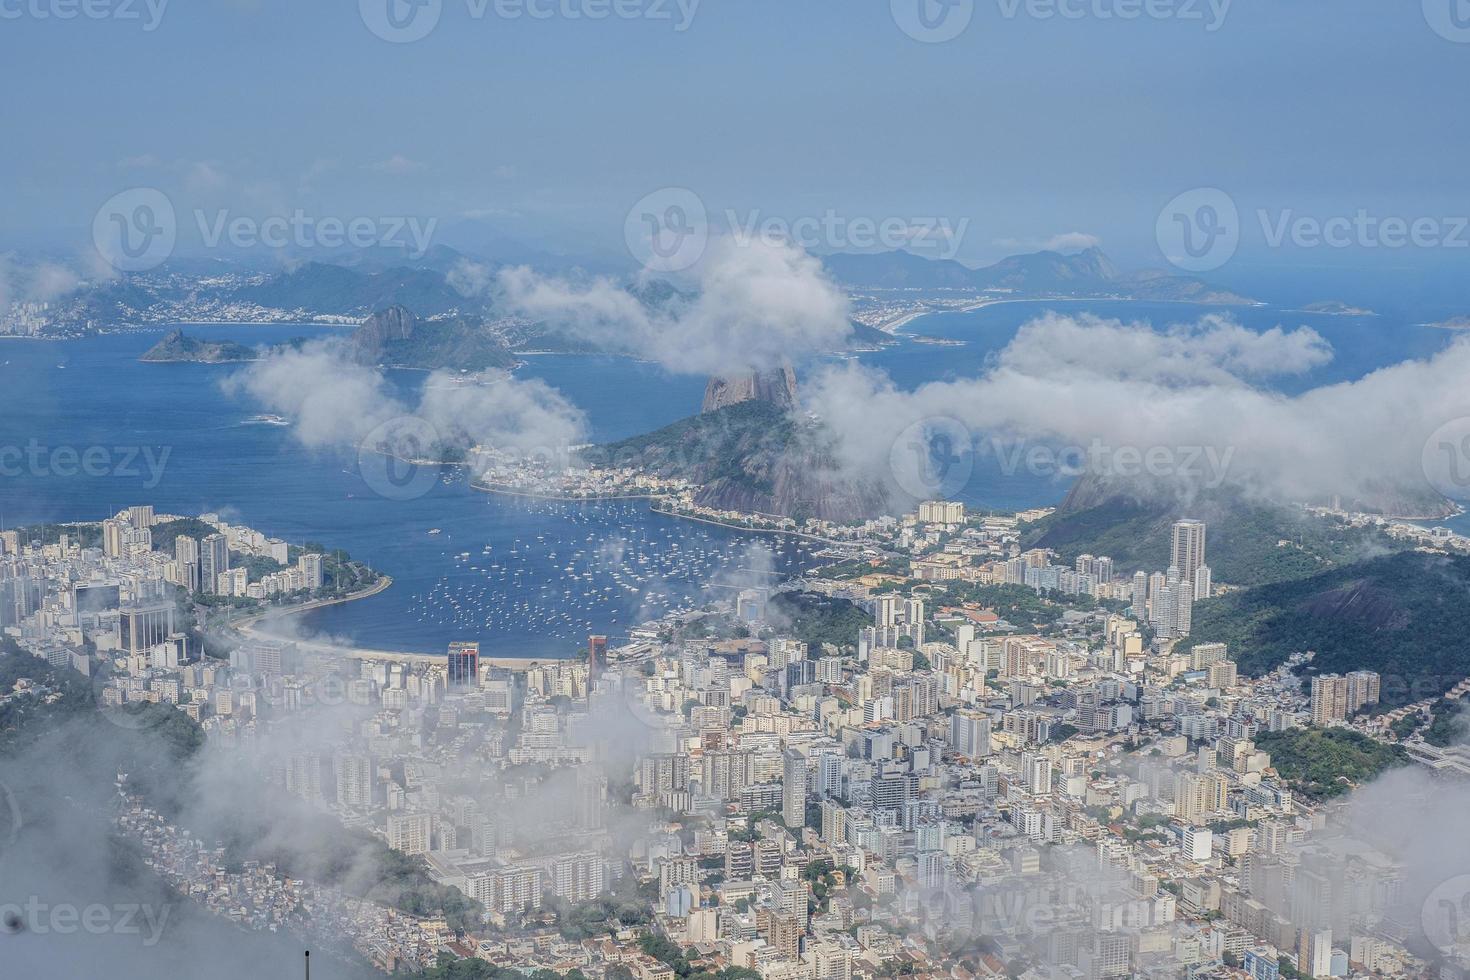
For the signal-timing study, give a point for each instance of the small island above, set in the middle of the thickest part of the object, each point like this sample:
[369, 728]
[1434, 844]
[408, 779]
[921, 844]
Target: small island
[1337, 308]
[179, 347]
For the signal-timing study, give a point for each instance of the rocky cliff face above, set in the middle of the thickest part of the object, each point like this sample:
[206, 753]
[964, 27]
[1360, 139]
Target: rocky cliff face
[395, 337]
[752, 457]
[384, 327]
[777, 387]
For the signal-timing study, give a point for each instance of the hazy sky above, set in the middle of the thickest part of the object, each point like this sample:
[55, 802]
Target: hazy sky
[1027, 127]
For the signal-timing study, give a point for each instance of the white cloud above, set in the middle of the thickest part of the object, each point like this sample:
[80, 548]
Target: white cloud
[1067, 241]
[1073, 381]
[335, 401]
[757, 306]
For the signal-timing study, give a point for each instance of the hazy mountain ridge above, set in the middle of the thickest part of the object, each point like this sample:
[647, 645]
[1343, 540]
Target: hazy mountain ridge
[1085, 274]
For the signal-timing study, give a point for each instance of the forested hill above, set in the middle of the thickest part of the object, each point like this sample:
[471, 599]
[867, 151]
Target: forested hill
[1249, 542]
[1404, 615]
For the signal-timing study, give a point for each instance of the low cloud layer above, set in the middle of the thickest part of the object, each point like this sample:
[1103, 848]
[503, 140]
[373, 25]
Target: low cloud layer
[335, 401]
[1084, 382]
[756, 306]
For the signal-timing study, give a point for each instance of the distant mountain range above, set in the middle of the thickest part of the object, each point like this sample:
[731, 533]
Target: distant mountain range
[1085, 274]
[354, 285]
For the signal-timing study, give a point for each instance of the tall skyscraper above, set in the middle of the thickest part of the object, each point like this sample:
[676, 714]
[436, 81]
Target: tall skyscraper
[186, 552]
[114, 538]
[596, 657]
[354, 780]
[793, 789]
[214, 561]
[1330, 699]
[141, 517]
[1188, 552]
[1202, 582]
[464, 664]
[313, 570]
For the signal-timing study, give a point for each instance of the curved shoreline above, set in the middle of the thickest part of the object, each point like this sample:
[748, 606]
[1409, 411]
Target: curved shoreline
[247, 624]
[594, 498]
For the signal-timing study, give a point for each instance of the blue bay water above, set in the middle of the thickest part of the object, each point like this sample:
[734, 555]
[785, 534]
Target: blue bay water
[523, 577]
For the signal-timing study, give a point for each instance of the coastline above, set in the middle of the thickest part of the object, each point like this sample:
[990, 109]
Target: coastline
[255, 626]
[594, 498]
[246, 624]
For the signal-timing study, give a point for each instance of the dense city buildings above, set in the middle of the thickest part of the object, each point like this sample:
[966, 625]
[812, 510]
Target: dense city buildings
[1086, 793]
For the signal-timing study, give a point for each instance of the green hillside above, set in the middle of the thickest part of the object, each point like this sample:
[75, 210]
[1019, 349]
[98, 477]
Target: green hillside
[1404, 615]
[1248, 543]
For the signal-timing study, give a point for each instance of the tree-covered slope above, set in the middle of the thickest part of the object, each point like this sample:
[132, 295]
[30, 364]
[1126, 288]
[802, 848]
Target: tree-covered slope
[1404, 615]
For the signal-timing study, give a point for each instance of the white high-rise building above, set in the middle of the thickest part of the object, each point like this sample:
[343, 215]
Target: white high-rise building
[214, 561]
[1188, 551]
[354, 780]
[578, 877]
[793, 789]
[312, 567]
[1202, 582]
[885, 611]
[186, 552]
[409, 832]
[969, 733]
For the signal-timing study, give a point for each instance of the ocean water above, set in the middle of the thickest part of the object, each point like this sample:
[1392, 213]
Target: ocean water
[523, 577]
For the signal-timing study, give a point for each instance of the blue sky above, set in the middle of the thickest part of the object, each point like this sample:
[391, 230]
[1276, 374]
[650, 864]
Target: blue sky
[1028, 128]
